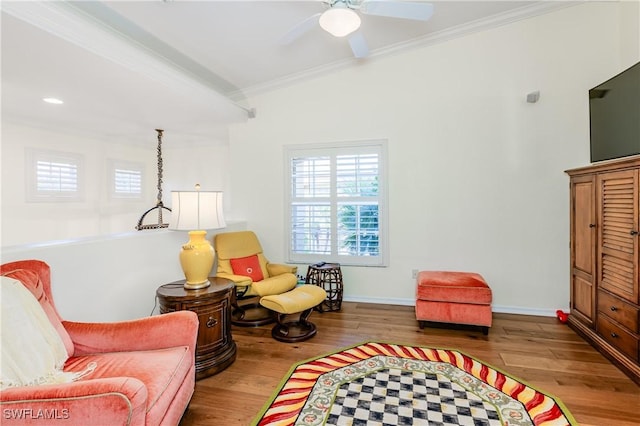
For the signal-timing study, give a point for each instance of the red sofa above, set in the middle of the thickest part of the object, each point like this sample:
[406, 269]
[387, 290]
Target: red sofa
[144, 369]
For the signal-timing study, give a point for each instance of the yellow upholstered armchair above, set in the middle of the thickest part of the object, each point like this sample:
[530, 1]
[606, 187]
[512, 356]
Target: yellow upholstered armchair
[240, 259]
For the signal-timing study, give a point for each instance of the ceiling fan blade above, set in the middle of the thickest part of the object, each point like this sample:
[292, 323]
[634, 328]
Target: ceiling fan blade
[300, 29]
[420, 11]
[358, 45]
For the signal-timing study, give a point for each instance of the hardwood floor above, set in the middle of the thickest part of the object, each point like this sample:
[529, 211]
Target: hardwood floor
[539, 350]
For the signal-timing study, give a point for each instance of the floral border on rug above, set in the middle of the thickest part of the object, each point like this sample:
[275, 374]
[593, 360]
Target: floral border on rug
[307, 392]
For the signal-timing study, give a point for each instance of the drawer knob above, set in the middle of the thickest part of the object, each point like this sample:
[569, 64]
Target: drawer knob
[212, 322]
[614, 335]
[633, 233]
[613, 308]
[592, 225]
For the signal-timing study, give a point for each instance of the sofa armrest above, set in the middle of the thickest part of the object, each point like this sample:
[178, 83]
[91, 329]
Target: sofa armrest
[279, 269]
[114, 401]
[156, 332]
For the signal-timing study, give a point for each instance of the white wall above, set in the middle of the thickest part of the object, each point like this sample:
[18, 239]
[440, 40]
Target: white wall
[103, 270]
[476, 173]
[97, 214]
[110, 278]
[184, 165]
[476, 176]
[629, 32]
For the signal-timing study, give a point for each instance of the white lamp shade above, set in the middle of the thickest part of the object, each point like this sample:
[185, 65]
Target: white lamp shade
[339, 21]
[196, 210]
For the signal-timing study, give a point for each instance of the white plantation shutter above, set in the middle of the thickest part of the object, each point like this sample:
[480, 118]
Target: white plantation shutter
[311, 206]
[357, 189]
[53, 176]
[336, 199]
[56, 176]
[126, 179]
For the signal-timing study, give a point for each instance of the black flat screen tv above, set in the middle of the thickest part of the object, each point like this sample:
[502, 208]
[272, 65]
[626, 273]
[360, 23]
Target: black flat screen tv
[614, 115]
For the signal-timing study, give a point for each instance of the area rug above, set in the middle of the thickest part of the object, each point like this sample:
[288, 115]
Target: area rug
[386, 384]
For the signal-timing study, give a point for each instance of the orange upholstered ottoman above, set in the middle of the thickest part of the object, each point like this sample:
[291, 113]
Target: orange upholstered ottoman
[453, 297]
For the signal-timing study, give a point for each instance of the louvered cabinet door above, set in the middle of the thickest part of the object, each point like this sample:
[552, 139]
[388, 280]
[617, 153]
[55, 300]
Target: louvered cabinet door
[583, 247]
[618, 233]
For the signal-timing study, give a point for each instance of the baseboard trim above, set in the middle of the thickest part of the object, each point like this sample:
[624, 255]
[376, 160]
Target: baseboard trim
[517, 310]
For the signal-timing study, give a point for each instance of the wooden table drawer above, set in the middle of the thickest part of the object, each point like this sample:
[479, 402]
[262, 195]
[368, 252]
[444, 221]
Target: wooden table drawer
[212, 326]
[618, 310]
[617, 336]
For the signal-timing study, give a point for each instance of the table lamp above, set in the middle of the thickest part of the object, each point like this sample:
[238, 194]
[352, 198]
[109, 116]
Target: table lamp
[196, 211]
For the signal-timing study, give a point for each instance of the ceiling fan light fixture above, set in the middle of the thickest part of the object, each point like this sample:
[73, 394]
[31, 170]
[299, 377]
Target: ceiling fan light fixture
[339, 21]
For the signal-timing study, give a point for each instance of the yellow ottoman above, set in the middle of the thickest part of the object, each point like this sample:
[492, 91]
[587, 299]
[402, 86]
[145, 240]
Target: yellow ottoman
[299, 301]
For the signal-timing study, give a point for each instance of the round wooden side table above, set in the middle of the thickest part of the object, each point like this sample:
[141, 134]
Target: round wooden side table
[329, 277]
[215, 348]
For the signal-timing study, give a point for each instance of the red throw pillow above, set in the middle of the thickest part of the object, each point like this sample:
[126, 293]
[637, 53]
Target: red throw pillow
[248, 266]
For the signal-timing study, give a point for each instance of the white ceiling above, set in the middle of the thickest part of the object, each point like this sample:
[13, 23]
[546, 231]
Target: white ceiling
[124, 68]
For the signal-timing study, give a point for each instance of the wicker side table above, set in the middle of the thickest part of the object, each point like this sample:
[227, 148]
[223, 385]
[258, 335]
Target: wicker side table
[329, 277]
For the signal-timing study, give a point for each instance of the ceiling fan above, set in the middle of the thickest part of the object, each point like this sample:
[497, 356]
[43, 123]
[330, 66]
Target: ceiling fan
[341, 19]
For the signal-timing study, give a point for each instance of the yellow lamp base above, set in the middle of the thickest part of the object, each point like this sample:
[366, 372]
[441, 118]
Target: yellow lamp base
[196, 259]
[190, 286]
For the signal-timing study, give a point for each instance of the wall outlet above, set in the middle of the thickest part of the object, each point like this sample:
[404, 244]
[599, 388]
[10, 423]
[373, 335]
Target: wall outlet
[414, 273]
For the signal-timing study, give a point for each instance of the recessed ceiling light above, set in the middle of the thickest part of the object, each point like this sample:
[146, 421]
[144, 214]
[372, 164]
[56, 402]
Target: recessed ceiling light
[55, 101]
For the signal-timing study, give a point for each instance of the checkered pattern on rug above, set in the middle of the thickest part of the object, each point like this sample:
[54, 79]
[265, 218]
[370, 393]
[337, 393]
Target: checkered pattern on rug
[396, 397]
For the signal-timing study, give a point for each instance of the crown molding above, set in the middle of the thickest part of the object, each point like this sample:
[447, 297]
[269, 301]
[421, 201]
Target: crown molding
[75, 25]
[505, 18]
[495, 21]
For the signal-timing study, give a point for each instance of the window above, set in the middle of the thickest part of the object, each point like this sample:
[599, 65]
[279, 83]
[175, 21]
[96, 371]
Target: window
[53, 176]
[125, 179]
[337, 203]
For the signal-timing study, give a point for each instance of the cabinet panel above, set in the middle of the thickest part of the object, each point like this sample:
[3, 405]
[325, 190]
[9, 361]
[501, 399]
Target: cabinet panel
[618, 239]
[584, 225]
[583, 248]
[582, 296]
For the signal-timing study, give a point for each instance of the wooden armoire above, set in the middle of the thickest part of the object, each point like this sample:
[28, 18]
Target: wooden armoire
[605, 303]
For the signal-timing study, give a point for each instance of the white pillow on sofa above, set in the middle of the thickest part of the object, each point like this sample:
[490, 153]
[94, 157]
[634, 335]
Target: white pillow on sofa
[32, 351]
